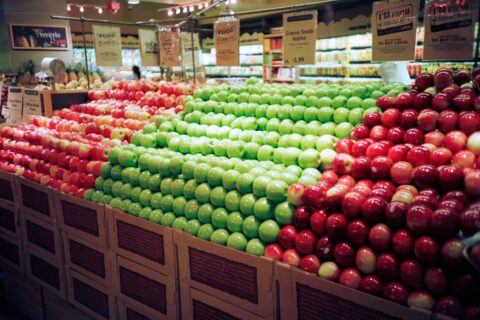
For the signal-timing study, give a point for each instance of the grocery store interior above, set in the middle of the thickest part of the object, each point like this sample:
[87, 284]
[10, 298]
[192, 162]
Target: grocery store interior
[239, 159]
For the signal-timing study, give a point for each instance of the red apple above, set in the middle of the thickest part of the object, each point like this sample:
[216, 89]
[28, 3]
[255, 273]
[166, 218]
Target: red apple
[344, 254]
[342, 163]
[390, 117]
[360, 131]
[295, 194]
[448, 120]
[344, 145]
[464, 159]
[318, 222]
[371, 284]
[386, 102]
[463, 102]
[436, 280]
[395, 134]
[372, 119]
[418, 219]
[414, 136]
[401, 172]
[312, 196]
[418, 155]
[425, 175]
[301, 216]
[452, 254]
[441, 101]
[336, 226]
[472, 182]
[379, 237]
[324, 248]
[404, 100]
[310, 263]
[469, 122]
[411, 273]
[408, 118]
[435, 138]
[351, 278]
[398, 152]
[396, 292]
[359, 148]
[424, 80]
[450, 177]
[440, 156]
[291, 257]
[402, 243]
[380, 167]
[305, 242]
[470, 222]
[395, 213]
[274, 252]
[444, 223]
[427, 119]
[286, 236]
[366, 260]
[449, 306]
[329, 271]
[357, 232]
[421, 299]
[426, 250]
[455, 141]
[387, 266]
[361, 168]
[422, 100]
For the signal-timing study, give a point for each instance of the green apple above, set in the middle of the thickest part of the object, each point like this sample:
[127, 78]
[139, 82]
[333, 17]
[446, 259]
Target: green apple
[288, 177]
[262, 124]
[327, 156]
[369, 103]
[156, 216]
[205, 212]
[321, 92]
[284, 112]
[134, 176]
[290, 156]
[205, 232]
[202, 193]
[113, 155]
[166, 186]
[125, 206]
[244, 183]
[343, 130]
[229, 179]
[237, 241]
[155, 200]
[99, 182]
[255, 247]
[268, 231]
[300, 100]
[339, 102]
[152, 164]
[354, 102]
[251, 150]
[263, 208]
[217, 196]
[135, 209]
[250, 123]
[257, 171]
[145, 197]
[340, 115]
[98, 196]
[250, 226]
[299, 127]
[144, 213]
[189, 189]
[192, 227]
[284, 213]
[347, 92]
[265, 153]
[154, 182]
[143, 161]
[220, 236]
[312, 128]
[309, 158]
[235, 222]
[297, 112]
[271, 139]
[245, 136]
[310, 114]
[219, 218]
[178, 206]
[327, 128]
[325, 102]
[355, 116]
[166, 203]
[325, 114]
[116, 172]
[312, 172]
[200, 172]
[115, 203]
[261, 111]
[176, 165]
[105, 170]
[309, 141]
[191, 209]
[168, 219]
[286, 126]
[295, 140]
[177, 187]
[117, 188]
[220, 148]
[360, 91]
[188, 169]
[235, 149]
[247, 203]
[232, 200]
[215, 175]
[277, 191]
[163, 167]
[125, 190]
[260, 186]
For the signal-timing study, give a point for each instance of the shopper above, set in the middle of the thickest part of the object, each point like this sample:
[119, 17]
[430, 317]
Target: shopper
[136, 73]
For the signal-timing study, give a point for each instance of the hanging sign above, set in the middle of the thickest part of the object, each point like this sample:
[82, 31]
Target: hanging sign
[170, 54]
[108, 46]
[449, 29]
[148, 47]
[38, 37]
[187, 49]
[14, 106]
[227, 41]
[394, 27]
[299, 37]
[32, 104]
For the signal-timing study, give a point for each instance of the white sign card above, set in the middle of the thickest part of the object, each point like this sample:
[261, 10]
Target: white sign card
[299, 37]
[227, 42]
[14, 106]
[32, 104]
[149, 47]
[187, 49]
[170, 53]
[108, 46]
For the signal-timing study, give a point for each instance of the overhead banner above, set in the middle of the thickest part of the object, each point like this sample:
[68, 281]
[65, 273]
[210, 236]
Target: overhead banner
[188, 47]
[449, 29]
[108, 46]
[32, 104]
[394, 27]
[13, 113]
[227, 42]
[149, 47]
[170, 53]
[299, 37]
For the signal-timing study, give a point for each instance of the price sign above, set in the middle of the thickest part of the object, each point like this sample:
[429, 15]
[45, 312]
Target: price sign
[32, 104]
[299, 37]
[108, 46]
[149, 47]
[227, 42]
[170, 54]
[188, 47]
[14, 106]
[449, 29]
[394, 27]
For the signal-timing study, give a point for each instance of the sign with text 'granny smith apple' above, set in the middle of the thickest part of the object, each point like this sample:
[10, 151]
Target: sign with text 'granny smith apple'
[170, 53]
[14, 106]
[449, 29]
[108, 46]
[299, 37]
[394, 27]
[32, 104]
[227, 42]
[148, 47]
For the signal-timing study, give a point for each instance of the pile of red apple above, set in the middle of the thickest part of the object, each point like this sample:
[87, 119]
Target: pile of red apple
[388, 219]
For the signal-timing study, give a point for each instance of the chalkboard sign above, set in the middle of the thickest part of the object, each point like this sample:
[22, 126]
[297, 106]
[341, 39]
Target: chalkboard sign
[33, 37]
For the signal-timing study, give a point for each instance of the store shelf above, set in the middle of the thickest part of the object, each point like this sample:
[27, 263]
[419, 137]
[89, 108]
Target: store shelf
[241, 65]
[273, 51]
[232, 75]
[281, 80]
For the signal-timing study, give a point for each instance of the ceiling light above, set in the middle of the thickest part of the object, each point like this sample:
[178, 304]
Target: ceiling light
[177, 11]
[82, 9]
[233, 1]
[100, 10]
[206, 4]
[185, 10]
[170, 12]
[69, 7]
[192, 8]
[200, 6]
[232, 12]
[133, 1]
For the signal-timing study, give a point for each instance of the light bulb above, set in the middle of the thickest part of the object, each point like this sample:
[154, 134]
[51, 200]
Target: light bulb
[177, 11]
[232, 12]
[100, 10]
[185, 9]
[170, 12]
[82, 9]
[192, 8]
[233, 1]
[69, 7]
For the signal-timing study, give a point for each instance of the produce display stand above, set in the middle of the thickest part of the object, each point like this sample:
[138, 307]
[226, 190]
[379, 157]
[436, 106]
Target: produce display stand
[55, 100]
[10, 220]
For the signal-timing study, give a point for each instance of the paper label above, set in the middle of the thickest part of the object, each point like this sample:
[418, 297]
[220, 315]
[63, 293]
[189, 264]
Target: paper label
[227, 41]
[394, 27]
[449, 29]
[299, 37]
[14, 106]
[108, 46]
[149, 47]
[170, 53]
[187, 49]
[32, 104]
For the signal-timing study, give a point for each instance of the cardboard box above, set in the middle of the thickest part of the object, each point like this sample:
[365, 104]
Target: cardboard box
[83, 218]
[58, 309]
[199, 305]
[10, 220]
[49, 274]
[142, 241]
[12, 253]
[43, 239]
[36, 200]
[243, 280]
[23, 294]
[93, 261]
[8, 191]
[90, 297]
[149, 291]
[306, 296]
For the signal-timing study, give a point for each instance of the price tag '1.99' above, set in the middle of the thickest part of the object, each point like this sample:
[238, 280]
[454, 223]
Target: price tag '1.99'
[299, 37]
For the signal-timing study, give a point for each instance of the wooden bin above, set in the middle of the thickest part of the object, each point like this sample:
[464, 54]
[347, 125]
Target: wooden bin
[83, 218]
[131, 311]
[243, 280]
[148, 291]
[8, 190]
[49, 274]
[10, 220]
[58, 309]
[23, 294]
[12, 253]
[90, 297]
[36, 200]
[93, 261]
[306, 296]
[43, 239]
[142, 241]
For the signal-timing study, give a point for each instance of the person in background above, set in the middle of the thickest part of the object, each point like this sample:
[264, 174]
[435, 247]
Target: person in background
[136, 73]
